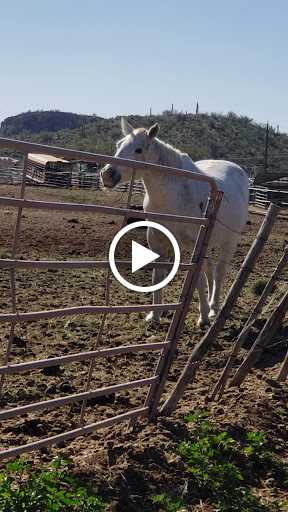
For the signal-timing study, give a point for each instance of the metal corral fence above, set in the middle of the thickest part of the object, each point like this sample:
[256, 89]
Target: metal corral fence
[11, 176]
[72, 178]
[38, 174]
[165, 349]
[263, 196]
[259, 195]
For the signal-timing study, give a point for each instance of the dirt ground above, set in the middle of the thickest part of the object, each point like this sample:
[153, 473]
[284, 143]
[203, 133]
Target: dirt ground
[130, 467]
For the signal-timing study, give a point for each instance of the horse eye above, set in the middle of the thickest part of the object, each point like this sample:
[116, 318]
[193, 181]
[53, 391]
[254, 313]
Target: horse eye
[138, 150]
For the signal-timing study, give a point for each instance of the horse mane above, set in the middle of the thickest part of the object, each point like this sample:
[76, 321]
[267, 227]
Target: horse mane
[163, 154]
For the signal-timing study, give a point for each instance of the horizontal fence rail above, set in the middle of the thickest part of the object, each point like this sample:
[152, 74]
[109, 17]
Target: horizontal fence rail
[91, 208]
[71, 434]
[163, 349]
[77, 397]
[55, 361]
[72, 265]
[85, 310]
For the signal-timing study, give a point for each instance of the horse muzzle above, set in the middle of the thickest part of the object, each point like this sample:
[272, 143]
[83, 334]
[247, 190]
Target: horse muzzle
[110, 176]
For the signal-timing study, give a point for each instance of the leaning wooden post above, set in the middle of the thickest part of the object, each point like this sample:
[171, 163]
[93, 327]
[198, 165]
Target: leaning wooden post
[283, 372]
[206, 343]
[264, 337]
[220, 386]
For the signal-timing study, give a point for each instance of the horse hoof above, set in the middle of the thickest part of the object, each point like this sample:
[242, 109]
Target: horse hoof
[202, 323]
[213, 313]
[153, 318]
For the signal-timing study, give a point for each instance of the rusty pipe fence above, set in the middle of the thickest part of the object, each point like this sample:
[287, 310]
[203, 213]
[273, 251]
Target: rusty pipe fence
[166, 349]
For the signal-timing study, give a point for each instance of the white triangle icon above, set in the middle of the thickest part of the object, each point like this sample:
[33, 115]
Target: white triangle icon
[141, 256]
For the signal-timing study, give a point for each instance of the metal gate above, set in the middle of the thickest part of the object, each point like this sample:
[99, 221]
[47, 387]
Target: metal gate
[166, 349]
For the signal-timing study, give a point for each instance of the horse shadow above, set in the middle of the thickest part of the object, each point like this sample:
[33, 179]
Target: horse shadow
[276, 348]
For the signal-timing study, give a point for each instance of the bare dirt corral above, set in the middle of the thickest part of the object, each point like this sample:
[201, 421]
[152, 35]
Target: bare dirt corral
[130, 467]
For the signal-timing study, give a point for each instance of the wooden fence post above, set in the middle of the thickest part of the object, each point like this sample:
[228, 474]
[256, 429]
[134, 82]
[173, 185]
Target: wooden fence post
[264, 337]
[220, 386]
[283, 372]
[206, 343]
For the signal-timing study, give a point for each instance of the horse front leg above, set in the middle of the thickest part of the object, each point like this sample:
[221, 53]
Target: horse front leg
[157, 277]
[157, 245]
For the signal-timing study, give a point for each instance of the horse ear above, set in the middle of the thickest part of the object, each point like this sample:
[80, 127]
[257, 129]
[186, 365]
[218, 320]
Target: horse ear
[126, 127]
[153, 131]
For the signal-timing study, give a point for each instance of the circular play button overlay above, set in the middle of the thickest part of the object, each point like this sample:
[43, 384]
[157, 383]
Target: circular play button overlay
[141, 256]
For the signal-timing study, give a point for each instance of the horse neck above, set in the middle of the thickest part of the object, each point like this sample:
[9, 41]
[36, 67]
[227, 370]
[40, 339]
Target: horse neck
[155, 183]
[161, 188]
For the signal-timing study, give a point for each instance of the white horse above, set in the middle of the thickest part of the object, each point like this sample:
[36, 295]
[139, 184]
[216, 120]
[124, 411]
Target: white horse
[182, 196]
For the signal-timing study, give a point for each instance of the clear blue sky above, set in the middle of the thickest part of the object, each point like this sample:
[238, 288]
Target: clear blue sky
[113, 57]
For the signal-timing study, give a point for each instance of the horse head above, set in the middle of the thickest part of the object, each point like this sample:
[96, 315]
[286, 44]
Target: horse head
[134, 146]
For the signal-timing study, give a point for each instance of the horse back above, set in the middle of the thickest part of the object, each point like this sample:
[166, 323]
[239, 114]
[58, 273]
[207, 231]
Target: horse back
[232, 180]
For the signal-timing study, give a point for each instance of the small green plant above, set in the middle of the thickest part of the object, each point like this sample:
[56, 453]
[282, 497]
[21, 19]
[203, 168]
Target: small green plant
[259, 285]
[256, 443]
[46, 489]
[209, 459]
[215, 461]
[256, 448]
[166, 503]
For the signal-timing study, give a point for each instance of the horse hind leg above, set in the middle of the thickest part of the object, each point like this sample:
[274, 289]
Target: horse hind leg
[203, 304]
[209, 272]
[226, 254]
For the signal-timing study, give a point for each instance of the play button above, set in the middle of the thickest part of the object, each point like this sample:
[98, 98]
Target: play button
[141, 256]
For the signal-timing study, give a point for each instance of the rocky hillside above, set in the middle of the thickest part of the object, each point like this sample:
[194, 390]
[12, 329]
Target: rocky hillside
[201, 136]
[40, 121]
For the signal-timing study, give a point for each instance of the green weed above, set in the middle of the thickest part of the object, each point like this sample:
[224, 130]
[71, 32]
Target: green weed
[45, 489]
[256, 443]
[259, 285]
[212, 460]
[166, 503]
[256, 448]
